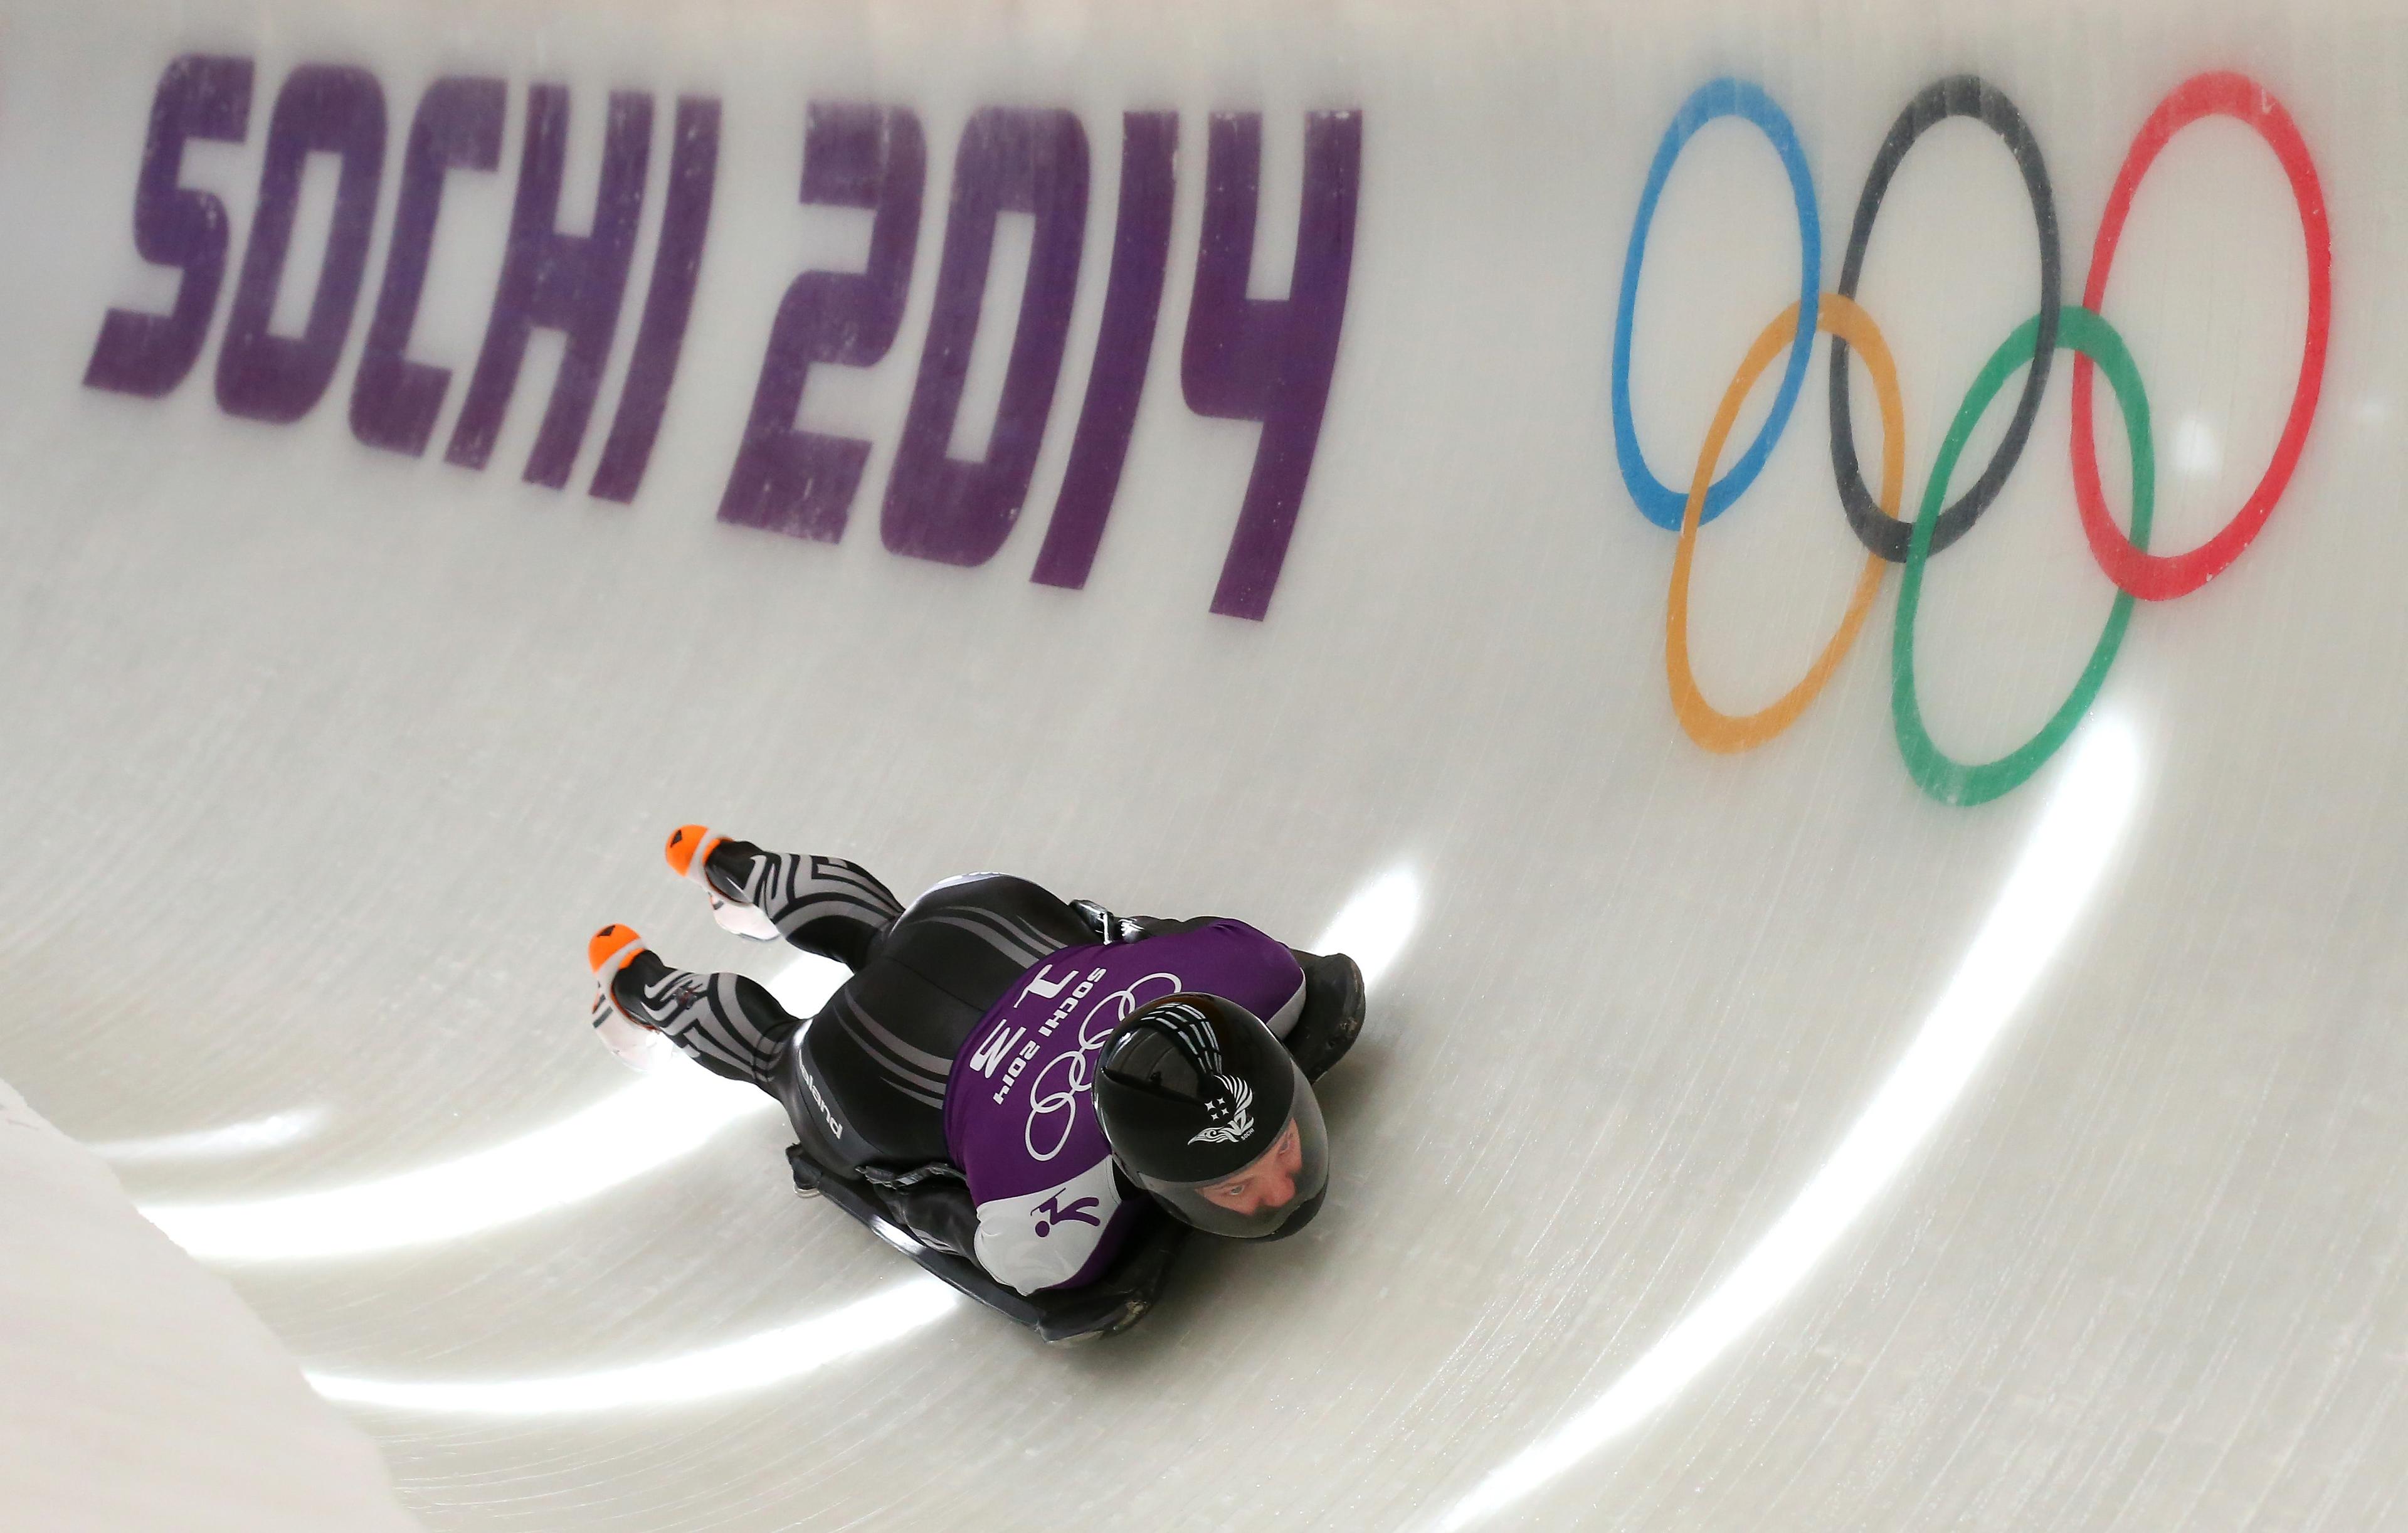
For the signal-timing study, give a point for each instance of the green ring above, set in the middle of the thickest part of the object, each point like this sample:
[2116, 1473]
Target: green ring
[1936, 772]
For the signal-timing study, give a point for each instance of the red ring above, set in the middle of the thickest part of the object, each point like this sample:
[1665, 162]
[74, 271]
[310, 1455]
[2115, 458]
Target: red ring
[2163, 576]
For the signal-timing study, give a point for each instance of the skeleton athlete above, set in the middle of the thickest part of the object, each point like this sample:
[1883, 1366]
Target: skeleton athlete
[1019, 1083]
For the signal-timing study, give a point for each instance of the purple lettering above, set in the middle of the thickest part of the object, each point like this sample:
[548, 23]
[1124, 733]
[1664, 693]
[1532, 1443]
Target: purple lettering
[1116, 379]
[1271, 360]
[572, 283]
[677, 263]
[322, 109]
[802, 482]
[199, 96]
[458, 125]
[1017, 160]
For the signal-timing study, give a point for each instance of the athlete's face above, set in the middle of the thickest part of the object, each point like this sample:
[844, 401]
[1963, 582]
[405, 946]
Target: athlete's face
[1269, 1183]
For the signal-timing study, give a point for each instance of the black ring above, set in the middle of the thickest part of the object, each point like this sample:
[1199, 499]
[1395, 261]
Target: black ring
[1959, 96]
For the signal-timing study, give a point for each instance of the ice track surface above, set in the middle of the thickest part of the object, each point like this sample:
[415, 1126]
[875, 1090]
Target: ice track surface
[1235, 459]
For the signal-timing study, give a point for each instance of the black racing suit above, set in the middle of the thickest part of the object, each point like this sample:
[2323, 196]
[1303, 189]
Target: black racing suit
[863, 1079]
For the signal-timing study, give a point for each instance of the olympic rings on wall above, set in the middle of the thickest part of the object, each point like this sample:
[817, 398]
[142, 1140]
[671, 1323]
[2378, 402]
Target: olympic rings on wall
[2162, 578]
[1937, 523]
[1953, 781]
[1959, 96]
[1707, 725]
[1657, 501]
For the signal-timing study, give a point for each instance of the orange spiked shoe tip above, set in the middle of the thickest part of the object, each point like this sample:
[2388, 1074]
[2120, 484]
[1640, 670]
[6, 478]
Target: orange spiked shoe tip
[689, 850]
[611, 948]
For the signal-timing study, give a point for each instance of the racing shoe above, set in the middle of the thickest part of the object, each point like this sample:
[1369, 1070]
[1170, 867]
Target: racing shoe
[641, 986]
[727, 868]
[613, 953]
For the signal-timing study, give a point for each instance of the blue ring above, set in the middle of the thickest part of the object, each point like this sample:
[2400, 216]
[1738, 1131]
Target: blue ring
[1658, 502]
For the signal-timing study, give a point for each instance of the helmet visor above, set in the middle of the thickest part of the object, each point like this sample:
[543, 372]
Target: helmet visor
[1276, 1194]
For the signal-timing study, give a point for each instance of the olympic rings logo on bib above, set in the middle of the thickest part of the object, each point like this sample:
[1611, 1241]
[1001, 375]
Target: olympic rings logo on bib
[1939, 524]
[1058, 1106]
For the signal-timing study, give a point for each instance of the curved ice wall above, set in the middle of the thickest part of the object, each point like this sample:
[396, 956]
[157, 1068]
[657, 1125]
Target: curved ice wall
[1892, 1025]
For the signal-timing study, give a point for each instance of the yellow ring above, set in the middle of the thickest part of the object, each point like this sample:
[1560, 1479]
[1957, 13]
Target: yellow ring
[1706, 724]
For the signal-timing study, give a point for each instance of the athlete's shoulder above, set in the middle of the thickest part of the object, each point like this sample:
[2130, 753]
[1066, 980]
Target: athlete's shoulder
[1226, 957]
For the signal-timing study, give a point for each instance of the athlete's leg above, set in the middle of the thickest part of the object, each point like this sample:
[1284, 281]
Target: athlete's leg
[823, 905]
[864, 1081]
[725, 1023]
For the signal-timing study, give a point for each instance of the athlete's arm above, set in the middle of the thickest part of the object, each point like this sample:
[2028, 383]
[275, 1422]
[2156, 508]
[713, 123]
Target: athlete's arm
[937, 1211]
[1053, 1239]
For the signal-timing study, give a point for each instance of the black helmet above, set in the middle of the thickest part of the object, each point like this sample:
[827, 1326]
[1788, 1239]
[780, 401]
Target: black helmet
[1205, 1110]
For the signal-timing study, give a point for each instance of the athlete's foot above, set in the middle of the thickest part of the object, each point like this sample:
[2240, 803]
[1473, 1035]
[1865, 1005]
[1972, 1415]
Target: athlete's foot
[728, 870]
[617, 955]
[640, 985]
[689, 851]
[706, 1017]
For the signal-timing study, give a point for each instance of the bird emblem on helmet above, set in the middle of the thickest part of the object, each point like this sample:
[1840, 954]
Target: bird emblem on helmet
[1231, 1121]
